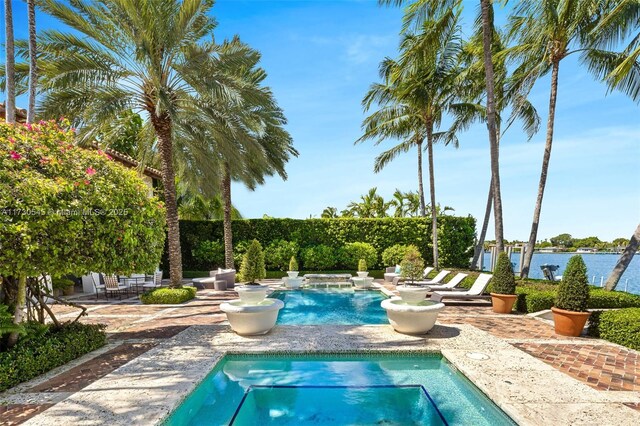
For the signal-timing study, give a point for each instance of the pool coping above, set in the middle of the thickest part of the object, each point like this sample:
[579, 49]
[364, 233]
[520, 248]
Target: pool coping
[150, 387]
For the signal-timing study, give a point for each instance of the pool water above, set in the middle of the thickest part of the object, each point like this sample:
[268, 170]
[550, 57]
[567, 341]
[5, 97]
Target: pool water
[331, 306]
[336, 389]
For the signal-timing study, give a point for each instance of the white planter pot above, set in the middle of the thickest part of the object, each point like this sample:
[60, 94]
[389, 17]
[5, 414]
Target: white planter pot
[412, 294]
[292, 274]
[252, 319]
[362, 282]
[252, 294]
[411, 319]
[363, 274]
[293, 282]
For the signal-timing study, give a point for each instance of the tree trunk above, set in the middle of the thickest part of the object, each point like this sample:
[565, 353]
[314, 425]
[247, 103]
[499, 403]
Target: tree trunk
[18, 314]
[543, 174]
[432, 191]
[624, 261]
[228, 235]
[10, 64]
[33, 71]
[487, 25]
[163, 128]
[479, 250]
[423, 211]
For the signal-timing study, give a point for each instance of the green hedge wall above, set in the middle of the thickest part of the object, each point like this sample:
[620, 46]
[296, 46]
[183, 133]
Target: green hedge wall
[456, 235]
[534, 298]
[618, 326]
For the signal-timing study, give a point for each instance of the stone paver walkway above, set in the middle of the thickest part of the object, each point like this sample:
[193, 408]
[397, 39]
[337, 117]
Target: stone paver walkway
[134, 329]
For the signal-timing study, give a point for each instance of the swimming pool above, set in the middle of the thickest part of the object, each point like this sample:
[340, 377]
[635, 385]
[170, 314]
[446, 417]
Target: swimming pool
[331, 306]
[399, 389]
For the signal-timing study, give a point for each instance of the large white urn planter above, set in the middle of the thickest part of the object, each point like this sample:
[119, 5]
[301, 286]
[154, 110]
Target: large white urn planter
[252, 294]
[292, 274]
[252, 319]
[412, 294]
[294, 283]
[362, 274]
[362, 282]
[412, 319]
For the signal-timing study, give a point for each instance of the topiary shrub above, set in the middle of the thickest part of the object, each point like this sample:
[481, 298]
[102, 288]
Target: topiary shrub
[239, 249]
[253, 267]
[617, 326]
[293, 264]
[209, 254]
[573, 291]
[393, 255]
[351, 254]
[412, 265]
[503, 280]
[362, 265]
[168, 296]
[278, 254]
[318, 258]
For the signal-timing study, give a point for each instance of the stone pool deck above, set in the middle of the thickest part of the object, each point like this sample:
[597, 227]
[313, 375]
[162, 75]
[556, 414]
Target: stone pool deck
[157, 354]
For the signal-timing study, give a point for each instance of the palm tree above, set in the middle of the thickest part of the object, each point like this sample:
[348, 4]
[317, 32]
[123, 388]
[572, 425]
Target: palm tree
[130, 56]
[329, 213]
[420, 88]
[398, 202]
[624, 261]
[371, 205]
[10, 71]
[546, 33]
[33, 70]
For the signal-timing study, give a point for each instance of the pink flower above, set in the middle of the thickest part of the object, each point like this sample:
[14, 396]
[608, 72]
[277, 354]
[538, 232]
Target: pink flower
[15, 155]
[86, 182]
[109, 157]
[91, 171]
[28, 126]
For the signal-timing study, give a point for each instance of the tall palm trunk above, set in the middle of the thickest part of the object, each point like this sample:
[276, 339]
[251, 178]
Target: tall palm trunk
[163, 127]
[487, 17]
[33, 71]
[543, 174]
[479, 250]
[226, 200]
[423, 211]
[432, 193]
[18, 314]
[624, 261]
[10, 64]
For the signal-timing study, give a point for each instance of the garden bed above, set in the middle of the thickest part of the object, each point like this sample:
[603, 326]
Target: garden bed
[168, 296]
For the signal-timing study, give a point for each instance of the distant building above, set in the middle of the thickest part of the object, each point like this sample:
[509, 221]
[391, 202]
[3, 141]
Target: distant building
[586, 250]
[549, 250]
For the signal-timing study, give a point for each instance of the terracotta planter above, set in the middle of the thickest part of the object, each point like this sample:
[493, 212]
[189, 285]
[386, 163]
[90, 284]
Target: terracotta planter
[502, 303]
[569, 323]
[68, 291]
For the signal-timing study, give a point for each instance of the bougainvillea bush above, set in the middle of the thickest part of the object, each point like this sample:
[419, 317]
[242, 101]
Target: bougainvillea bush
[70, 210]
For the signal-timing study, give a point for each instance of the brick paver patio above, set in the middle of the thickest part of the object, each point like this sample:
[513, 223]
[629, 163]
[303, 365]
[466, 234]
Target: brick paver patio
[136, 328]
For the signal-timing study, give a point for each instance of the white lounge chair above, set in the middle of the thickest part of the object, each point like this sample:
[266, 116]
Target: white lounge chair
[475, 292]
[437, 280]
[451, 284]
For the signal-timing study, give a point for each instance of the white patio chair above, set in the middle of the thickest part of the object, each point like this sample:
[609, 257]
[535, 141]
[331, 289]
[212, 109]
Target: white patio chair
[112, 285]
[475, 292]
[154, 283]
[451, 284]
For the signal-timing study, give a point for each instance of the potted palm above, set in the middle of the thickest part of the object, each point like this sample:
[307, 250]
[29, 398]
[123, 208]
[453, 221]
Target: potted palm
[62, 285]
[570, 310]
[252, 270]
[411, 270]
[293, 267]
[362, 268]
[504, 286]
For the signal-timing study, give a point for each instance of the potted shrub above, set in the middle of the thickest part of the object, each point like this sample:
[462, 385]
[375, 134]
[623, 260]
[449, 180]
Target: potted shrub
[504, 286]
[570, 310]
[62, 285]
[412, 269]
[362, 268]
[252, 270]
[293, 267]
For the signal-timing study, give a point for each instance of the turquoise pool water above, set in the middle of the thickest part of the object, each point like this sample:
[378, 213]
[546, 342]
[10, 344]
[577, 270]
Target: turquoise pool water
[331, 306]
[336, 389]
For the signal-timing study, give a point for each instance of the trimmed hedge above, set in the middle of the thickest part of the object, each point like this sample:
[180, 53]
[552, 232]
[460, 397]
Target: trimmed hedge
[538, 297]
[30, 358]
[456, 235]
[618, 326]
[168, 296]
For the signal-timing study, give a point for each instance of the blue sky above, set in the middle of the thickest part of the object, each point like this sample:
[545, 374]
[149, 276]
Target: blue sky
[321, 56]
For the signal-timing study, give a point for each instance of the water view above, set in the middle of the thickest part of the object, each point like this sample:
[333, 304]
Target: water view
[599, 266]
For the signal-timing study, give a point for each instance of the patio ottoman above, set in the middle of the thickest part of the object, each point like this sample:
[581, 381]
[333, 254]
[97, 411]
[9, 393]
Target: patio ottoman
[220, 285]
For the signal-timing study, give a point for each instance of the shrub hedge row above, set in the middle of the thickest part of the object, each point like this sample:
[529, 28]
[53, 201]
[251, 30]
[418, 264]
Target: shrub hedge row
[168, 296]
[455, 236]
[537, 297]
[618, 326]
[32, 357]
